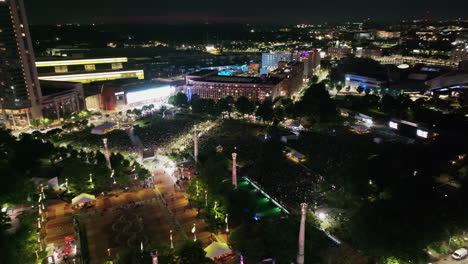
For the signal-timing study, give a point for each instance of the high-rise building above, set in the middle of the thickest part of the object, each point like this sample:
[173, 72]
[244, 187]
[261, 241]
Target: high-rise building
[20, 93]
[270, 60]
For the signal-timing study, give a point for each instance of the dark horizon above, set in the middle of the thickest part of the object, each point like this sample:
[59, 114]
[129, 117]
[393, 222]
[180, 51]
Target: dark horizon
[274, 11]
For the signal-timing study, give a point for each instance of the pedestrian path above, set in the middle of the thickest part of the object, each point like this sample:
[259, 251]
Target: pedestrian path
[178, 203]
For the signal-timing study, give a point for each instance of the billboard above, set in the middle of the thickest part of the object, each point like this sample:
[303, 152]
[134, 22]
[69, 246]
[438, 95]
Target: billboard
[150, 94]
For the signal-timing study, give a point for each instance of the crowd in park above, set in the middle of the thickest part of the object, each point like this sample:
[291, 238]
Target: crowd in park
[365, 179]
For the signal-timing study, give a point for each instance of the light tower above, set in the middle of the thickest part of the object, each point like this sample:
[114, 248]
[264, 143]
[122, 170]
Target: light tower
[300, 255]
[234, 170]
[195, 145]
[106, 153]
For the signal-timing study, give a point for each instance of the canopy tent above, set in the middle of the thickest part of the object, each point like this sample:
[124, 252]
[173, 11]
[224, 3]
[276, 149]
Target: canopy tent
[216, 249]
[83, 198]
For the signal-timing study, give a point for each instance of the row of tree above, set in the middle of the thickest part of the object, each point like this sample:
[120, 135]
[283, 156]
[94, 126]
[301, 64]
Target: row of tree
[315, 105]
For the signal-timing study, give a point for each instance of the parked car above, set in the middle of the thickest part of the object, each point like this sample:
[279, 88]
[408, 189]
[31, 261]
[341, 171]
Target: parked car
[460, 253]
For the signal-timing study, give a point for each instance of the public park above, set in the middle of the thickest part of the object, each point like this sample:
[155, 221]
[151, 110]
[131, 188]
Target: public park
[231, 181]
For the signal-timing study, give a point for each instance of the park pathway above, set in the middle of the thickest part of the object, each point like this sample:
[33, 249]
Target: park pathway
[136, 141]
[178, 203]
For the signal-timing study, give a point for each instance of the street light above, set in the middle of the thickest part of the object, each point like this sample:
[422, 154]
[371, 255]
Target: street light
[194, 229]
[227, 225]
[170, 237]
[214, 209]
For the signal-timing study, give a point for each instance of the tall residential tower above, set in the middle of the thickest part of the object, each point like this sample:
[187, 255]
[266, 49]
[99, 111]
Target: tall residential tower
[20, 93]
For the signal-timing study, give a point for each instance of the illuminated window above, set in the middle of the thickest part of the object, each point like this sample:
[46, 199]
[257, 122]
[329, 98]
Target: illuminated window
[90, 67]
[117, 65]
[60, 69]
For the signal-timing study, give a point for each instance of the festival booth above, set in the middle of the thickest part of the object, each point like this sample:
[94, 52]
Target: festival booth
[217, 250]
[83, 200]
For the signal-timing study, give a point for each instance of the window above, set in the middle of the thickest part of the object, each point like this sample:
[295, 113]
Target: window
[117, 65]
[90, 67]
[59, 69]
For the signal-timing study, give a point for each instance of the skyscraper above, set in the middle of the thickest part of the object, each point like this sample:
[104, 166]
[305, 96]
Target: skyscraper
[20, 93]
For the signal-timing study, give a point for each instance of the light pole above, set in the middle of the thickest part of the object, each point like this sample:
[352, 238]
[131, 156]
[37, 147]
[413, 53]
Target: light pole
[106, 153]
[91, 180]
[300, 255]
[206, 199]
[170, 237]
[234, 171]
[194, 229]
[66, 185]
[227, 225]
[214, 209]
[195, 145]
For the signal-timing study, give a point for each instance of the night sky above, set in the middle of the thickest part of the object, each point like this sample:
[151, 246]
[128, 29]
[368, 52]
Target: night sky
[280, 11]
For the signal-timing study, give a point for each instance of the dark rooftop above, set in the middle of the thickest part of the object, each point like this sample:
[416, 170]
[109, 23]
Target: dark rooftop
[202, 72]
[240, 79]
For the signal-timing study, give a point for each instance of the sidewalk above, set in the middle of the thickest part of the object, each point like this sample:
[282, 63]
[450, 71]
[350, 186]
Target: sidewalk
[178, 203]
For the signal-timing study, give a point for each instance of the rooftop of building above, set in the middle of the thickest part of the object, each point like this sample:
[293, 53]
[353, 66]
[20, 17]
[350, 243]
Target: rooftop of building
[202, 73]
[240, 79]
[65, 61]
[87, 72]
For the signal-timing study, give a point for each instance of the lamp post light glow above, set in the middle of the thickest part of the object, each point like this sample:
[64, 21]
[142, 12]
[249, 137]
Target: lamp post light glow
[214, 209]
[66, 185]
[194, 229]
[170, 237]
[227, 225]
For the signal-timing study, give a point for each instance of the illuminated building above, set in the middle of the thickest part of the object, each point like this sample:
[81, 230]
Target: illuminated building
[61, 98]
[292, 74]
[20, 92]
[363, 36]
[381, 34]
[368, 53]
[86, 70]
[207, 84]
[270, 60]
[117, 97]
[459, 54]
[338, 52]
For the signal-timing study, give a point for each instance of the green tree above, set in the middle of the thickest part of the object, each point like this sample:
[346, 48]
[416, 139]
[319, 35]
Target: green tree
[244, 106]
[314, 79]
[360, 90]
[181, 100]
[222, 105]
[192, 252]
[265, 111]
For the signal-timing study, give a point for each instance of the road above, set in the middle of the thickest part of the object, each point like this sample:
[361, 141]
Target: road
[449, 260]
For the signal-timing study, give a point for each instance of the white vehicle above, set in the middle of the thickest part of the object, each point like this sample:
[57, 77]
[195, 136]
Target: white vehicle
[460, 253]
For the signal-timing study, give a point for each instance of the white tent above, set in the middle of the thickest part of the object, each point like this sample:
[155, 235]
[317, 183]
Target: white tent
[216, 249]
[83, 198]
